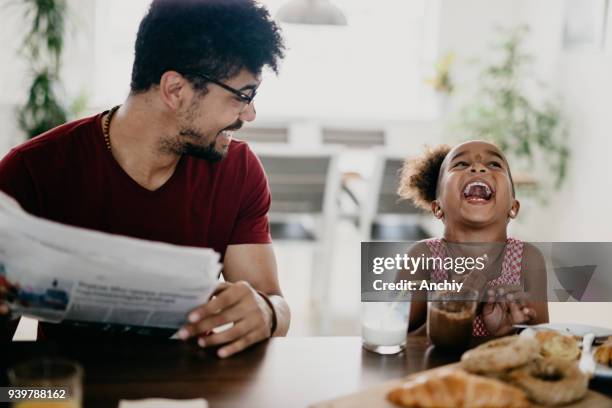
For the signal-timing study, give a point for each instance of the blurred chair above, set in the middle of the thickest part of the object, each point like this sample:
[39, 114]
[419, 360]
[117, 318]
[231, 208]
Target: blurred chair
[269, 134]
[305, 187]
[383, 216]
[353, 138]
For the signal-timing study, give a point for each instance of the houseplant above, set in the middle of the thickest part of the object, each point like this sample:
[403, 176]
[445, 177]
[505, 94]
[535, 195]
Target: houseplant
[442, 81]
[530, 130]
[42, 48]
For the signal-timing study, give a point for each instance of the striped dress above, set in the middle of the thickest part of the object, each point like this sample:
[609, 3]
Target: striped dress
[510, 275]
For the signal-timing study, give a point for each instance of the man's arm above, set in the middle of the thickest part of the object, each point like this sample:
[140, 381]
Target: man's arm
[248, 269]
[256, 264]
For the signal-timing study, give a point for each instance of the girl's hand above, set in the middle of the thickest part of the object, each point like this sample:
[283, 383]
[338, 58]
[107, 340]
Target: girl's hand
[502, 311]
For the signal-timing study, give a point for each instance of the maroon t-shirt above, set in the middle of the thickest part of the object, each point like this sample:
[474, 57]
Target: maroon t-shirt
[68, 175]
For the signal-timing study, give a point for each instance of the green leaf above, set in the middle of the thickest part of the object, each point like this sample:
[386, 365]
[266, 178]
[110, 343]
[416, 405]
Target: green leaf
[42, 46]
[503, 112]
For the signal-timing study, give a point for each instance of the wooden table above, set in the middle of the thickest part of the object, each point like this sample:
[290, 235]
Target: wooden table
[283, 372]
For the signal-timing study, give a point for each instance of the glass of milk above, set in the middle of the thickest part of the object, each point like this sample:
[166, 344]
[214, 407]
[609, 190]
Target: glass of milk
[384, 326]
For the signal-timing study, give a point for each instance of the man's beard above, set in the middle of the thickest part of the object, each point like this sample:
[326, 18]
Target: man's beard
[207, 152]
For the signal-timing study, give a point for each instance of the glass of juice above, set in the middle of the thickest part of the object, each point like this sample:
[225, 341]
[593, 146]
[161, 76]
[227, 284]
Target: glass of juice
[46, 383]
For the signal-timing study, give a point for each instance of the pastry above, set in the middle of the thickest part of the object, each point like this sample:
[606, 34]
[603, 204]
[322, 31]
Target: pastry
[455, 388]
[603, 354]
[554, 344]
[500, 355]
[551, 381]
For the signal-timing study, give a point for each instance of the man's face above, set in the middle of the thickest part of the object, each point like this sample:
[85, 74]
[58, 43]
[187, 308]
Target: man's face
[206, 125]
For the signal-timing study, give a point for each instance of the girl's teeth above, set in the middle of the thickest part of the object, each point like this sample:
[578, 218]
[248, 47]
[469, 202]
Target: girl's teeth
[476, 183]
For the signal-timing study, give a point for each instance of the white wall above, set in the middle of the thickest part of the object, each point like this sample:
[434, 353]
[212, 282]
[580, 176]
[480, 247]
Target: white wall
[584, 83]
[580, 212]
[467, 27]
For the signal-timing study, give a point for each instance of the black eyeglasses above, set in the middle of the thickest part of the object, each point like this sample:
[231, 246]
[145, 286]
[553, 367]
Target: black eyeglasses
[244, 98]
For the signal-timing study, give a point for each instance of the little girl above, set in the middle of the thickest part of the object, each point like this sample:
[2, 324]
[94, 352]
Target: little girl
[470, 189]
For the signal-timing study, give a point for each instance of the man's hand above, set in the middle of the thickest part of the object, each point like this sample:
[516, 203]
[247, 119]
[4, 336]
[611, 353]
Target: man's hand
[4, 291]
[236, 303]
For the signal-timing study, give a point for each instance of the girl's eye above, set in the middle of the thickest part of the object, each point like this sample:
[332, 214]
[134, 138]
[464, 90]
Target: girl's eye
[495, 164]
[461, 163]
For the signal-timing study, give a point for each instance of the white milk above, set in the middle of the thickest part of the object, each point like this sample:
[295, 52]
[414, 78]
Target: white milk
[384, 323]
[384, 333]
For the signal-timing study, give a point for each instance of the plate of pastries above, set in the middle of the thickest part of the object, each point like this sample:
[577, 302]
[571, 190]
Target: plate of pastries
[564, 341]
[509, 372]
[540, 370]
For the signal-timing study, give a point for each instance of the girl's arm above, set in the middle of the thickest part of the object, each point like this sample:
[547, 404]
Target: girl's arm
[535, 278]
[529, 307]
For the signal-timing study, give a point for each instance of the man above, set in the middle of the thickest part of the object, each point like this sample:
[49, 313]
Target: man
[163, 166]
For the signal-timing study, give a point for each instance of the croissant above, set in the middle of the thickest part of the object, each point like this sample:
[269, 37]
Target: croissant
[457, 389]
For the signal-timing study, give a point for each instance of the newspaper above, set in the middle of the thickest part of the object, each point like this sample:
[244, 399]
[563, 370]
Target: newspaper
[59, 273]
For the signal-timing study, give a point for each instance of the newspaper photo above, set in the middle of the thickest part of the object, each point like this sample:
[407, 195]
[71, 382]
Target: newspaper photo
[59, 273]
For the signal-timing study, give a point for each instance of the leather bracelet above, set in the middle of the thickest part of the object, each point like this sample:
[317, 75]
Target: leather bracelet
[271, 305]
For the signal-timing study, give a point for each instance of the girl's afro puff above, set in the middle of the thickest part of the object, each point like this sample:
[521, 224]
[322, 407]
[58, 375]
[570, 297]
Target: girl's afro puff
[419, 177]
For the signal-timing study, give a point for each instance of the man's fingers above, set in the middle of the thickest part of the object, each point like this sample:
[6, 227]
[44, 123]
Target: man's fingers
[220, 288]
[239, 330]
[4, 309]
[229, 296]
[240, 344]
[209, 322]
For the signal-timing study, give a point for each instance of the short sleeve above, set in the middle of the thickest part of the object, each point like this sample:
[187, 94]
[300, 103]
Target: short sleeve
[252, 226]
[16, 181]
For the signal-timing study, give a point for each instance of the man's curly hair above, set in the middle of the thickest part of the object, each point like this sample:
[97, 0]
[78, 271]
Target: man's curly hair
[216, 38]
[419, 176]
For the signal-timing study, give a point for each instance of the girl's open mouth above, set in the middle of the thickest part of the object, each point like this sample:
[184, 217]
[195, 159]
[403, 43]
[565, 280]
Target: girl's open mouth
[478, 192]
